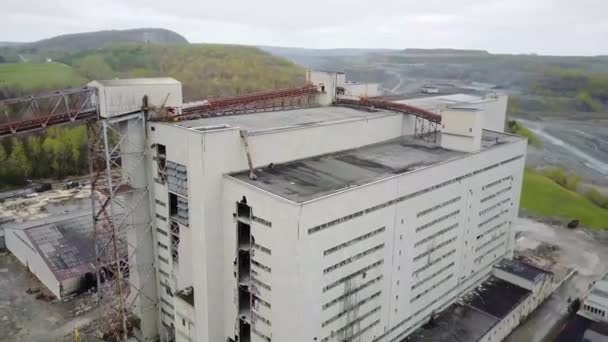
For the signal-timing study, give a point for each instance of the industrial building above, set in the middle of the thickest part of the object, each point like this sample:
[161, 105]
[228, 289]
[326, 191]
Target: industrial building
[325, 223]
[308, 214]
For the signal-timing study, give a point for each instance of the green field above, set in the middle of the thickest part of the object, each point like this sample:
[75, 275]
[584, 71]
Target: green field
[542, 196]
[23, 78]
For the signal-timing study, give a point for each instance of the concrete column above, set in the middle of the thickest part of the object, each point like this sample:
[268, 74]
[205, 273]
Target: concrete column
[139, 234]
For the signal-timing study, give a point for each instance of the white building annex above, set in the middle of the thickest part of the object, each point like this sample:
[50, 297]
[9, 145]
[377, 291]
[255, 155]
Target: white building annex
[345, 228]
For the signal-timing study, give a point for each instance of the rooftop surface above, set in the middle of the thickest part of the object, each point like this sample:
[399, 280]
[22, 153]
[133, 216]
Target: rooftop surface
[65, 243]
[137, 81]
[287, 118]
[436, 102]
[474, 314]
[522, 269]
[314, 177]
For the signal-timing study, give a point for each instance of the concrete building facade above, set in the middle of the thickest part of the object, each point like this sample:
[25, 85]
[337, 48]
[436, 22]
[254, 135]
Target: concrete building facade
[350, 229]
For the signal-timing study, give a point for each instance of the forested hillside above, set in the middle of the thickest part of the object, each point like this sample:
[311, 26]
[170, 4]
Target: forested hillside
[204, 70]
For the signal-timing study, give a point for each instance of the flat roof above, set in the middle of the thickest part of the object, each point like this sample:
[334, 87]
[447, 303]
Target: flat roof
[474, 314]
[436, 102]
[287, 118]
[522, 269]
[310, 178]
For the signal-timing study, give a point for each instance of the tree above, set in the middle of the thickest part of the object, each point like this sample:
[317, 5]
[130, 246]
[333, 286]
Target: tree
[94, 67]
[18, 166]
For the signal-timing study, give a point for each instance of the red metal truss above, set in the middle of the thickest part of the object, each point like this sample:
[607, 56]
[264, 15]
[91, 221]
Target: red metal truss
[25, 114]
[245, 103]
[397, 107]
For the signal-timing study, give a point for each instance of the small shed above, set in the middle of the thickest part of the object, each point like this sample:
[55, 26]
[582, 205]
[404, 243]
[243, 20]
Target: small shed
[60, 251]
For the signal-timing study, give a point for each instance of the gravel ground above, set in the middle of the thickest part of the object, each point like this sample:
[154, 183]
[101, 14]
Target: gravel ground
[579, 146]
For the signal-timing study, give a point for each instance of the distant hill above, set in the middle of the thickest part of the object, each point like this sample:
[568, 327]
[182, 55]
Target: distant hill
[445, 52]
[60, 46]
[3, 44]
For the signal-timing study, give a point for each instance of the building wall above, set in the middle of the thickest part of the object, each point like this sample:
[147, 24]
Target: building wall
[384, 264]
[18, 243]
[185, 330]
[361, 89]
[206, 164]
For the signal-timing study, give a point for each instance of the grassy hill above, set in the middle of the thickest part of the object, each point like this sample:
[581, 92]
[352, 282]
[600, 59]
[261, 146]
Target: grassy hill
[205, 70]
[24, 78]
[542, 196]
[60, 46]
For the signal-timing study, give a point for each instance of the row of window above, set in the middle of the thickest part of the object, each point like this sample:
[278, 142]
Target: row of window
[262, 249]
[261, 221]
[487, 243]
[257, 317]
[353, 275]
[354, 322]
[431, 288]
[434, 262]
[355, 306]
[353, 241]
[350, 293]
[263, 302]
[490, 185]
[433, 249]
[159, 202]
[354, 258]
[495, 206]
[355, 336]
[326, 225]
[496, 194]
[595, 311]
[439, 206]
[261, 335]
[493, 229]
[441, 232]
[489, 251]
[437, 220]
[438, 272]
[261, 284]
[262, 266]
[502, 212]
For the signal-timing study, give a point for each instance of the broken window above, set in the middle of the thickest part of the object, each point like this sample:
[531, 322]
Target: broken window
[177, 178]
[178, 209]
[161, 163]
[243, 210]
[175, 241]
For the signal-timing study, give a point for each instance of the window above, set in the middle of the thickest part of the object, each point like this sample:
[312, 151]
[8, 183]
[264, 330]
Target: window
[183, 322]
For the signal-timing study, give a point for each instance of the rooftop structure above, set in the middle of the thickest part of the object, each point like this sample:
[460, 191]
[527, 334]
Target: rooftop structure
[493, 106]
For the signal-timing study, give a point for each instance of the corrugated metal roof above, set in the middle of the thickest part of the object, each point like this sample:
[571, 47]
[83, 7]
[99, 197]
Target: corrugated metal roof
[65, 243]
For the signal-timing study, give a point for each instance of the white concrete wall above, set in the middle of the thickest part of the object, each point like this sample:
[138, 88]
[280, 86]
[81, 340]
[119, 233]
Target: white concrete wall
[513, 279]
[185, 329]
[361, 89]
[18, 243]
[299, 314]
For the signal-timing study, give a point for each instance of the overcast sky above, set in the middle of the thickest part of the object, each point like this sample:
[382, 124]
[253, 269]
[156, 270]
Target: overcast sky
[559, 27]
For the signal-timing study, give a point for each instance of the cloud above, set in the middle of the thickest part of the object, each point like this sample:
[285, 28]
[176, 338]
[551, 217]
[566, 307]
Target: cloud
[514, 26]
